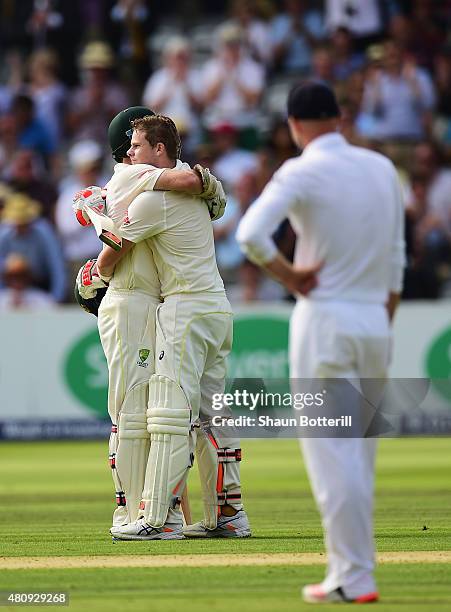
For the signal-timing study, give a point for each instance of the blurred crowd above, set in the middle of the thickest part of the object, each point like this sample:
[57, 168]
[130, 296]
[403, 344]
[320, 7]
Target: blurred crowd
[222, 73]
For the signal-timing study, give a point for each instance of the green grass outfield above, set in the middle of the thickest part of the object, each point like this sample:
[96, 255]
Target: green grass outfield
[56, 500]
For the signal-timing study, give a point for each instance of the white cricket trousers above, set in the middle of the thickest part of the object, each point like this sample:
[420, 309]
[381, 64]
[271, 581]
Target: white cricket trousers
[331, 339]
[127, 331]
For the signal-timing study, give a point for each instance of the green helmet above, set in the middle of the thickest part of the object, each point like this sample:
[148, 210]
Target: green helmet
[117, 131]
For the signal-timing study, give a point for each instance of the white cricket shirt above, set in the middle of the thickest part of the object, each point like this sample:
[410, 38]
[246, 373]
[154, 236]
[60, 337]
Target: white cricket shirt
[345, 205]
[136, 270]
[178, 229]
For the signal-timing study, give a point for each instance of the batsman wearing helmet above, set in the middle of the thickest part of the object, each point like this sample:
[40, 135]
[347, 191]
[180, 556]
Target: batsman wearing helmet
[193, 337]
[126, 314]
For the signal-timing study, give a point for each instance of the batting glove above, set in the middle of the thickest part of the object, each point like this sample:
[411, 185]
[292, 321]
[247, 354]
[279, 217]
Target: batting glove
[92, 197]
[89, 280]
[212, 192]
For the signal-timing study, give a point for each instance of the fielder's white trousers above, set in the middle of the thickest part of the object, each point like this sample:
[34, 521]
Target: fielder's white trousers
[342, 340]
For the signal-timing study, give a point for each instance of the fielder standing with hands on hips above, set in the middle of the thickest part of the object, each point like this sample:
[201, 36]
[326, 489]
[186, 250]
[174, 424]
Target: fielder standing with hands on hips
[345, 205]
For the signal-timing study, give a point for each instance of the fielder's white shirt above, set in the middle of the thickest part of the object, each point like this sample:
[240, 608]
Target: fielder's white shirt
[136, 270]
[345, 205]
[178, 229]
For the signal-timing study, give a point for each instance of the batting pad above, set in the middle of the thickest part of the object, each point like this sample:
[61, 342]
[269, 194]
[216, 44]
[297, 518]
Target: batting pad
[219, 473]
[129, 451]
[168, 422]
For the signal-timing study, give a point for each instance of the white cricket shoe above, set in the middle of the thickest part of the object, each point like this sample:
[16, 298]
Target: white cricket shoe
[228, 527]
[140, 530]
[314, 593]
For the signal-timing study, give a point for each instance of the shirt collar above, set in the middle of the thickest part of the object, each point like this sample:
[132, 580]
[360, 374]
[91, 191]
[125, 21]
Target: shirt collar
[326, 141]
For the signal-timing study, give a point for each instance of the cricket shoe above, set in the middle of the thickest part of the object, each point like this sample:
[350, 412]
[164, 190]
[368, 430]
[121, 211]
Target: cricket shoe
[314, 593]
[140, 530]
[228, 527]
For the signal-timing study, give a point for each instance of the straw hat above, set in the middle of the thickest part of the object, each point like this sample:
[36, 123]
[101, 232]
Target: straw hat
[84, 154]
[20, 209]
[97, 55]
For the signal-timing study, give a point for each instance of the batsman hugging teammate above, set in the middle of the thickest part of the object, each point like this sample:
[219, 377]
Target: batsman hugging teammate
[173, 232]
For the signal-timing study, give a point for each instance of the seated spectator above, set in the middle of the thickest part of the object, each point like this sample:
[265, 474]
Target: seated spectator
[398, 97]
[256, 32]
[346, 59]
[174, 91]
[79, 243]
[228, 253]
[427, 164]
[25, 130]
[253, 284]
[323, 66]
[442, 122]
[232, 83]
[26, 174]
[48, 92]
[428, 225]
[24, 233]
[278, 148]
[293, 35]
[231, 162]
[429, 25]
[18, 291]
[94, 104]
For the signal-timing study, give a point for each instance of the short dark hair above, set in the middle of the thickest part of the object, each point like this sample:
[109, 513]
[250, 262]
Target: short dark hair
[159, 128]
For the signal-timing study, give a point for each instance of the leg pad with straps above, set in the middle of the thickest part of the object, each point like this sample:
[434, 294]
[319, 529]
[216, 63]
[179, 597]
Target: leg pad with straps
[218, 462]
[168, 422]
[128, 453]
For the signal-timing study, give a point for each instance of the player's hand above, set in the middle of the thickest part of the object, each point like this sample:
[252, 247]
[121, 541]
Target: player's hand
[303, 280]
[89, 281]
[216, 207]
[212, 192]
[92, 197]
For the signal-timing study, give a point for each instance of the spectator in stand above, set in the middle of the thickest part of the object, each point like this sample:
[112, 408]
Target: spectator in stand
[174, 91]
[442, 122]
[256, 32]
[278, 148]
[323, 65]
[131, 22]
[56, 24]
[231, 162]
[94, 104]
[398, 97]
[294, 33]
[23, 232]
[362, 18]
[429, 23]
[79, 243]
[17, 290]
[253, 284]
[429, 220]
[26, 174]
[228, 252]
[232, 83]
[346, 59]
[22, 129]
[48, 93]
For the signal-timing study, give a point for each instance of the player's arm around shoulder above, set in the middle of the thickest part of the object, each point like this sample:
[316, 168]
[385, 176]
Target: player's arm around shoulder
[184, 180]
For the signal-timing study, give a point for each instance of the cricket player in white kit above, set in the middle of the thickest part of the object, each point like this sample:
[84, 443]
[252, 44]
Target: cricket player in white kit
[345, 206]
[126, 317]
[194, 335]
